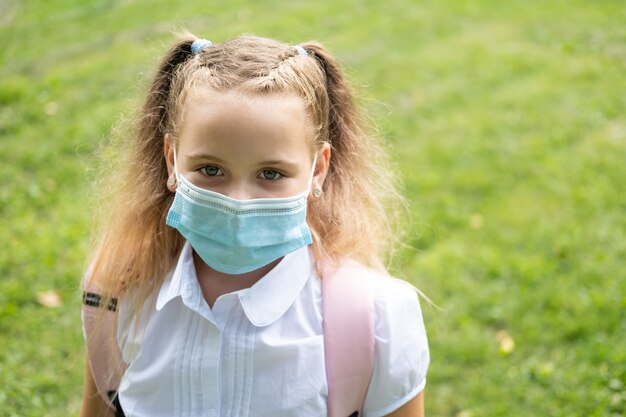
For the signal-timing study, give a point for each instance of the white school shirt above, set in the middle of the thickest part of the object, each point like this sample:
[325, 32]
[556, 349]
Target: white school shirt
[259, 351]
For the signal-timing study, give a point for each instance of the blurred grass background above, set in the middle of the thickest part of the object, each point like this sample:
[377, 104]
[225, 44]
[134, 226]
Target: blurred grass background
[505, 118]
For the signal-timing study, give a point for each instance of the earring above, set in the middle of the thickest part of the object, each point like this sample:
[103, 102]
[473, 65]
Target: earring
[171, 181]
[317, 193]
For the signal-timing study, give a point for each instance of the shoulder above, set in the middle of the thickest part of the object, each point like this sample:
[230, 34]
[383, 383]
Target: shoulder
[397, 312]
[391, 296]
[134, 318]
[396, 304]
[395, 301]
[385, 287]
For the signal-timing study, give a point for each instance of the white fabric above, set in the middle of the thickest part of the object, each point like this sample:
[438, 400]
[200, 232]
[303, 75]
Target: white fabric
[259, 351]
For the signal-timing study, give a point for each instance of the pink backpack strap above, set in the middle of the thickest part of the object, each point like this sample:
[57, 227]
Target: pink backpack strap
[348, 312]
[104, 356]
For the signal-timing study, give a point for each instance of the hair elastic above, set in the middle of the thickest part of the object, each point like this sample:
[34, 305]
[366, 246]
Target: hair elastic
[199, 44]
[301, 51]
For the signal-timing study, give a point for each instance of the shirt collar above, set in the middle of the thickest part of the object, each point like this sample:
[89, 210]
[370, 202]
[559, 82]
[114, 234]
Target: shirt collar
[178, 281]
[271, 296]
[263, 303]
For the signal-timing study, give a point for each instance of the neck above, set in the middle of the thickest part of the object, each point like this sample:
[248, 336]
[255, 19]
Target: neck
[215, 283]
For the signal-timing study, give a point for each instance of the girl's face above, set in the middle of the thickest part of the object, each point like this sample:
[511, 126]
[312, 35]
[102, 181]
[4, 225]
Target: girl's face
[247, 146]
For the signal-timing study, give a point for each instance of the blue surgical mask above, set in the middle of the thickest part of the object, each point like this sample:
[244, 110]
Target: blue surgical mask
[238, 236]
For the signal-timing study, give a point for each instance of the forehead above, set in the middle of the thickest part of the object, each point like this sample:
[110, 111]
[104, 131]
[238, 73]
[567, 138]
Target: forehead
[242, 121]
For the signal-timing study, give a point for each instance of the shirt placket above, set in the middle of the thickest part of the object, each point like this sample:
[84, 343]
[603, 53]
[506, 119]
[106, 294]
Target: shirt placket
[235, 372]
[210, 365]
[207, 360]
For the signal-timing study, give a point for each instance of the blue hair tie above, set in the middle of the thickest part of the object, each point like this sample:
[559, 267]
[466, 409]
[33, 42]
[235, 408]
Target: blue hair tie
[301, 51]
[199, 44]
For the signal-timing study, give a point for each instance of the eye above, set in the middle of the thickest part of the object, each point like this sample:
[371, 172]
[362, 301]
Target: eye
[211, 171]
[270, 175]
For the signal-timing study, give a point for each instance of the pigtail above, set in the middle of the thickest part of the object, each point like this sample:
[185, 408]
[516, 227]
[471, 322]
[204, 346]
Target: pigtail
[342, 116]
[135, 247]
[359, 220]
[154, 120]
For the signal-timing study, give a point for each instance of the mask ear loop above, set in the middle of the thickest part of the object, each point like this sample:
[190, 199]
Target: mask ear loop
[308, 191]
[176, 174]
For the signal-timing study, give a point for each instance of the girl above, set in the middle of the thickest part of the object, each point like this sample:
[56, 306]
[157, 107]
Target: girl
[247, 177]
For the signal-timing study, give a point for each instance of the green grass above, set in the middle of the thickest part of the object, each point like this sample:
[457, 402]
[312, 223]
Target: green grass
[506, 121]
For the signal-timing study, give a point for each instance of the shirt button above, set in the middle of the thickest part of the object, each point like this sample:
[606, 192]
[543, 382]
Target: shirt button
[212, 412]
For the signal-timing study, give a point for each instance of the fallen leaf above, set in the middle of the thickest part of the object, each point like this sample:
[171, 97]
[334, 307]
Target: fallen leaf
[507, 344]
[50, 299]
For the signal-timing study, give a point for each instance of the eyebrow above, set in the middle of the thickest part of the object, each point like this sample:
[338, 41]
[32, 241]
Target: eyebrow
[278, 162]
[269, 162]
[204, 156]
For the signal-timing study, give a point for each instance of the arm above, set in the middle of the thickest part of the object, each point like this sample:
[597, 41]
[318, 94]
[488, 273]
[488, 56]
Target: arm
[414, 408]
[93, 404]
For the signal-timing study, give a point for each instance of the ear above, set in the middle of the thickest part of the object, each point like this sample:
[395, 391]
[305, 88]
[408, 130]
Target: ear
[321, 167]
[168, 151]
